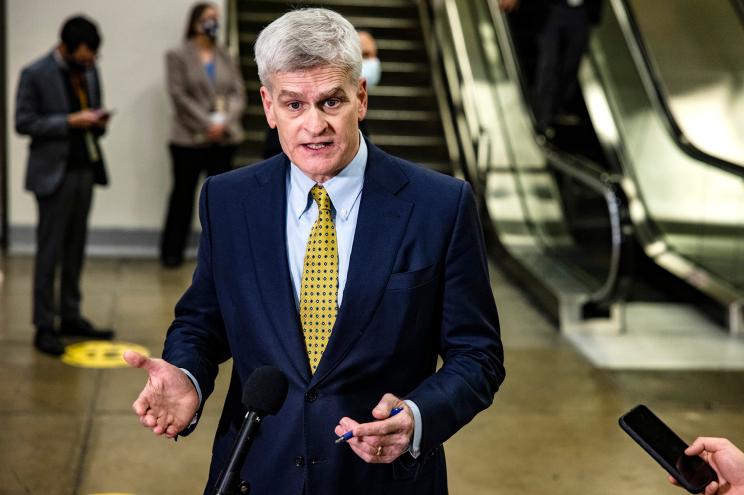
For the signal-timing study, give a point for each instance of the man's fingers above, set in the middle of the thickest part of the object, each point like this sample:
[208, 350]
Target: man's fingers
[150, 421]
[164, 421]
[136, 360]
[172, 431]
[386, 404]
[378, 428]
[141, 405]
[378, 442]
[348, 423]
[369, 453]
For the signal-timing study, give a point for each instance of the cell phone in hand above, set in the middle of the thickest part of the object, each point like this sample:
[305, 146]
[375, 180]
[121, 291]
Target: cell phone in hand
[104, 113]
[667, 448]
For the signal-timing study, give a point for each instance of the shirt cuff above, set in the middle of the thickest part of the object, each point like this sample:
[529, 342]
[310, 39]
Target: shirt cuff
[415, 448]
[198, 392]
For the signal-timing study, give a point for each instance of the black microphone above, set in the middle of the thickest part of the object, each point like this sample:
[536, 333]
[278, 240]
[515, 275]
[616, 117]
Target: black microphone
[263, 395]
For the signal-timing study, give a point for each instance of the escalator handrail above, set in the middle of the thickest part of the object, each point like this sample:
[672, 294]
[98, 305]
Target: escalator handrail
[619, 275]
[654, 88]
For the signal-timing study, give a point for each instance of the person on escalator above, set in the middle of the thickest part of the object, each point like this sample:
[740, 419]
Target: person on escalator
[563, 37]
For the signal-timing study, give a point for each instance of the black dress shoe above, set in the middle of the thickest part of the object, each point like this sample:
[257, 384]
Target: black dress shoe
[48, 341]
[83, 328]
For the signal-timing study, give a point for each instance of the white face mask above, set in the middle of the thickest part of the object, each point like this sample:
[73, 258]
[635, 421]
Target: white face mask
[371, 71]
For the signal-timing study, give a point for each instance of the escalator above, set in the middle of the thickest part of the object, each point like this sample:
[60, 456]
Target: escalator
[649, 189]
[665, 69]
[581, 285]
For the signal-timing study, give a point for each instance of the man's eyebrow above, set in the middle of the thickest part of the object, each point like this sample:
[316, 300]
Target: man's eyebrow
[337, 92]
[289, 94]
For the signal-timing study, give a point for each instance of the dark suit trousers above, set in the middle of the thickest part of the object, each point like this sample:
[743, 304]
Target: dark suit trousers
[188, 165]
[561, 45]
[60, 241]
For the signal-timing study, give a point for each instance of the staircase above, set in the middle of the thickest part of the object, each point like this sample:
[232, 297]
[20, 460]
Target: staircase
[403, 117]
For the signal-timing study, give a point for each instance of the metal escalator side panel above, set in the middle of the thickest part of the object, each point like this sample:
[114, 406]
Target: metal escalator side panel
[697, 54]
[689, 214]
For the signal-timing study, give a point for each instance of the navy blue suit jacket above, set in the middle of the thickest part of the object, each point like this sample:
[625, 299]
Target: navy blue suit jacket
[417, 289]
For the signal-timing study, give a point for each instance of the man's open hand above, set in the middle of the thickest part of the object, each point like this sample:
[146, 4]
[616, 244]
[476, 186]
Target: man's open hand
[169, 400]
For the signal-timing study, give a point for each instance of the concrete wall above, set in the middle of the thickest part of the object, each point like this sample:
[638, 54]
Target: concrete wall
[136, 34]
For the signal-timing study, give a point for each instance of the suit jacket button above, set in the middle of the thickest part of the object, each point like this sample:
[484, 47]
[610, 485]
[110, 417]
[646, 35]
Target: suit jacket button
[299, 461]
[311, 395]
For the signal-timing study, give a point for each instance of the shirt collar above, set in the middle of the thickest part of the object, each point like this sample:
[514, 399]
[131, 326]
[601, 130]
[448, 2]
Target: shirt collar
[61, 62]
[343, 189]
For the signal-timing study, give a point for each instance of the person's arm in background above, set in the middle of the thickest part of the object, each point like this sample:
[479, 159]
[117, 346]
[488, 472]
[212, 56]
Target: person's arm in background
[188, 111]
[99, 128]
[30, 120]
[725, 459]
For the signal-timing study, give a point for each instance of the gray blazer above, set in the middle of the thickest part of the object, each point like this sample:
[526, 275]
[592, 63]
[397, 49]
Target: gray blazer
[195, 97]
[42, 106]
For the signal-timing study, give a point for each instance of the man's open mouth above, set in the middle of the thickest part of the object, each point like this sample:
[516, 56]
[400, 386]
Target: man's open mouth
[317, 146]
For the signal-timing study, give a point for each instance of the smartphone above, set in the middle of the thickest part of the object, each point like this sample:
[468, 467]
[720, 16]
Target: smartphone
[105, 113]
[656, 438]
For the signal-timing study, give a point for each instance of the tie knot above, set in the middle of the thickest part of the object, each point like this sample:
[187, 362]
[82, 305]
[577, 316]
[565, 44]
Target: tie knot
[320, 195]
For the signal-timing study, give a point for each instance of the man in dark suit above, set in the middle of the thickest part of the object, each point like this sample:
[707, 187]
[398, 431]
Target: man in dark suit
[58, 105]
[348, 269]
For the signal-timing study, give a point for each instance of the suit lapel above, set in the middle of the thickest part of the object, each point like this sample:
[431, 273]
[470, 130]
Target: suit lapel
[56, 77]
[265, 213]
[380, 227]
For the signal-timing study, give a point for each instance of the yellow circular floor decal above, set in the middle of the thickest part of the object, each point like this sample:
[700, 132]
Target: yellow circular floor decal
[100, 354]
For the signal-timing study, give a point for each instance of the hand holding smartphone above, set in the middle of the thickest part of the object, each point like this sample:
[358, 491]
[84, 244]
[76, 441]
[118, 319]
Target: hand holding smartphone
[104, 114]
[668, 449]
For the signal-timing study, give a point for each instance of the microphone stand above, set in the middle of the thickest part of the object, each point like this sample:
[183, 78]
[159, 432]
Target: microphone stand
[230, 483]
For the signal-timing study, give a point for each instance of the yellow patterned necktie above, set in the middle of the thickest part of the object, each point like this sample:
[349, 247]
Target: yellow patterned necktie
[318, 294]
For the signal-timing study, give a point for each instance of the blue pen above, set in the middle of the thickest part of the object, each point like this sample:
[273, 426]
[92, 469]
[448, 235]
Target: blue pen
[346, 436]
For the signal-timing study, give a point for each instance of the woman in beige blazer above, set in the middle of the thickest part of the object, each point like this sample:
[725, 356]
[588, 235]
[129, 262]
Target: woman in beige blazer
[208, 97]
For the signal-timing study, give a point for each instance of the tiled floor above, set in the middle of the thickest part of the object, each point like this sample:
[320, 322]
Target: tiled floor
[552, 429]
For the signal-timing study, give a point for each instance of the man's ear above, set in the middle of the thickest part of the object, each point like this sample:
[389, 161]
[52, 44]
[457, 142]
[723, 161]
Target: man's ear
[268, 106]
[363, 99]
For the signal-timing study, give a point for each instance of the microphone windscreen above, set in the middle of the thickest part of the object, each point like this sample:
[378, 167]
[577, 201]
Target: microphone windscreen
[265, 390]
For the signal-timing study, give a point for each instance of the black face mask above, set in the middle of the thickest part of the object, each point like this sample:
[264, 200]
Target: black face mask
[211, 28]
[75, 66]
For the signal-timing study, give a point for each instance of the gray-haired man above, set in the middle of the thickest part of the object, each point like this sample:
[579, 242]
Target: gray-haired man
[348, 269]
